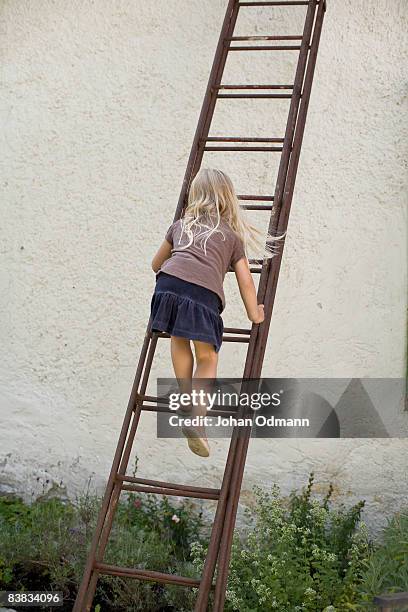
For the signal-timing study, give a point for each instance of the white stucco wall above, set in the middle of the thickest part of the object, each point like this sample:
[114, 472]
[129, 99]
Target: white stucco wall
[99, 107]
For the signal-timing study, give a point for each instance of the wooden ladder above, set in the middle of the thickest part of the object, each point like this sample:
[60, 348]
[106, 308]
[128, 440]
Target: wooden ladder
[227, 495]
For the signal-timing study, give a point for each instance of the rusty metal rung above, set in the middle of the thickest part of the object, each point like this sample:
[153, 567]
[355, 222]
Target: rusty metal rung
[218, 410]
[143, 485]
[255, 207]
[254, 96]
[165, 400]
[271, 149]
[264, 47]
[150, 575]
[168, 485]
[264, 38]
[256, 198]
[242, 139]
[289, 3]
[250, 86]
[153, 398]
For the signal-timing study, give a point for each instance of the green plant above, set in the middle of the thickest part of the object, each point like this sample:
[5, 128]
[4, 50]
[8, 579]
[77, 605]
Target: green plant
[386, 570]
[44, 546]
[299, 555]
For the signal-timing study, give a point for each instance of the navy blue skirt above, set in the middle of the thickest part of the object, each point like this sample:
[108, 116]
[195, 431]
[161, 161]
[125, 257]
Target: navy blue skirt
[185, 309]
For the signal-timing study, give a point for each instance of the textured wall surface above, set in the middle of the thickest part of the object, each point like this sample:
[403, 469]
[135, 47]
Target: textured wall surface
[99, 107]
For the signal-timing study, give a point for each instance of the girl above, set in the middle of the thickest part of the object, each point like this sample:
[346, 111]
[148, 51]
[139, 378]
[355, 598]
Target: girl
[190, 267]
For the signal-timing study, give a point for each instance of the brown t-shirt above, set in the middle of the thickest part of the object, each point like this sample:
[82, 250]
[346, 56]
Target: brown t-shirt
[193, 265]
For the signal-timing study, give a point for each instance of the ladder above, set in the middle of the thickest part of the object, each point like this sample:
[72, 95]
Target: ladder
[278, 205]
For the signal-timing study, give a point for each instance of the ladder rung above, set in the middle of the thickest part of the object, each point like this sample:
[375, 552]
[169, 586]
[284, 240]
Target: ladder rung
[265, 48]
[163, 491]
[256, 198]
[246, 86]
[165, 409]
[226, 338]
[168, 485]
[236, 339]
[157, 400]
[270, 149]
[163, 488]
[289, 2]
[150, 575]
[264, 38]
[241, 139]
[282, 96]
[237, 330]
[255, 207]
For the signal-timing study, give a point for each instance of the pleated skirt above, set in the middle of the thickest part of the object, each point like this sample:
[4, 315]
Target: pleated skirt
[186, 309]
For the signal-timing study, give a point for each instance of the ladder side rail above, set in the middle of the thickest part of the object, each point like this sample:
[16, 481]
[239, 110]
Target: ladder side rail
[117, 482]
[229, 492]
[209, 102]
[107, 524]
[280, 183]
[279, 221]
[255, 364]
[79, 601]
[204, 123]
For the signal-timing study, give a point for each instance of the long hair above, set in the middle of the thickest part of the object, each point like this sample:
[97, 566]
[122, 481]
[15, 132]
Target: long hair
[212, 197]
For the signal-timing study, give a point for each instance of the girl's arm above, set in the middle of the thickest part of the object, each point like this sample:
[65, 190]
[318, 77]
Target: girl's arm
[162, 254]
[247, 290]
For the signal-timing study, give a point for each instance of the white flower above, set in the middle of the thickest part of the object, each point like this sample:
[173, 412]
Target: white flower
[310, 591]
[175, 518]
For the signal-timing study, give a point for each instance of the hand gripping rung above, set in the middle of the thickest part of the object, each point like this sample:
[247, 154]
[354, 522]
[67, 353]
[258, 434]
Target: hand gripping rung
[113, 570]
[237, 330]
[143, 485]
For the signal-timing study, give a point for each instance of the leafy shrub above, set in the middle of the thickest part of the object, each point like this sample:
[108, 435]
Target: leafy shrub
[44, 546]
[386, 570]
[298, 556]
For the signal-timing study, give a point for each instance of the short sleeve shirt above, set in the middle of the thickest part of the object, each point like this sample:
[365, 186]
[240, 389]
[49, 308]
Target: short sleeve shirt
[224, 248]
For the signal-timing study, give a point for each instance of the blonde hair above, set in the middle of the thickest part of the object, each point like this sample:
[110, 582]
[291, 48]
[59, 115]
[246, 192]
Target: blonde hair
[212, 197]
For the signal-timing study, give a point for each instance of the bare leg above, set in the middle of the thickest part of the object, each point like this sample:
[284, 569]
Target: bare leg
[182, 357]
[206, 367]
[206, 359]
